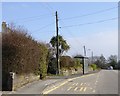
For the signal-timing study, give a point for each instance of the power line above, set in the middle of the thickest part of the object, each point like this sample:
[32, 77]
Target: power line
[70, 34]
[100, 21]
[45, 31]
[32, 17]
[50, 7]
[76, 50]
[44, 27]
[84, 15]
[35, 19]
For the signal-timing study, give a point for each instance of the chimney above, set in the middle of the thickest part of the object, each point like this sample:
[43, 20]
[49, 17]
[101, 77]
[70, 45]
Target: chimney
[4, 27]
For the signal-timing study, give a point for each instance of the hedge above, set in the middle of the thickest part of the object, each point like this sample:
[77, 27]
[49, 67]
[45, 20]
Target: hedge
[22, 54]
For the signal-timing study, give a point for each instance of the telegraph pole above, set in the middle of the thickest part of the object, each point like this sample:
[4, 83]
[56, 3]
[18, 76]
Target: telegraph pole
[57, 45]
[84, 51]
[92, 56]
[84, 60]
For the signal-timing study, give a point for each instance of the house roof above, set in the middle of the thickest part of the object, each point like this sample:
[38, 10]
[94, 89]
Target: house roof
[80, 56]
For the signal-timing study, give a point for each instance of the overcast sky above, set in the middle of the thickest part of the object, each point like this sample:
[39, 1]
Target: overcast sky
[80, 24]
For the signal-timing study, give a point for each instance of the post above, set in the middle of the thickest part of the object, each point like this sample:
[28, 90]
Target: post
[83, 66]
[57, 45]
[92, 57]
[84, 51]
[84, 58]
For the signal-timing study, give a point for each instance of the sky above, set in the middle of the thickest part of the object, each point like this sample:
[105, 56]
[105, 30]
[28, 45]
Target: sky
[74, 24]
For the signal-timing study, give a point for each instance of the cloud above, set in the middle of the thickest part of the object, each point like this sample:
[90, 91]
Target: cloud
[105, 43]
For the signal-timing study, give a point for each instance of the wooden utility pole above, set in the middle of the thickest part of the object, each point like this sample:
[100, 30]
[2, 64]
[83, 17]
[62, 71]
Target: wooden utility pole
[92, 57]
[84, 51]
[57, 45]
[84, 59]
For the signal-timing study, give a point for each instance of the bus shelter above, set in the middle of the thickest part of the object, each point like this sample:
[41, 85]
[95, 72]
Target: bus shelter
[84, 63]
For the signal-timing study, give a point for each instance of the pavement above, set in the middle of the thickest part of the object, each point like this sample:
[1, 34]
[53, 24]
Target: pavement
[35, 87]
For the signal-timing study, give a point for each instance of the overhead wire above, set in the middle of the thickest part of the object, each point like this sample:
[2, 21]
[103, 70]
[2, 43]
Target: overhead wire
[33, 17]
[49, 8]
[73, 46]
[44, 27]
[100, 21]
[42, 18]
[70, 34]
[93, 13]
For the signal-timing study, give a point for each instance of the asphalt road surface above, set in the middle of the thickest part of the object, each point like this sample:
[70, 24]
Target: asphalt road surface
[36, 87]
[103, 82]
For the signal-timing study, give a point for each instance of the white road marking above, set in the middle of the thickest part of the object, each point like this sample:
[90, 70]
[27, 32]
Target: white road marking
[81, 84]
[75, 89]
[84, 89]
[76, 84]
[93, 91]
[55, 87]
[73, 83]
[69, 88]
[46, 84]
[91, 88]
[81, 88]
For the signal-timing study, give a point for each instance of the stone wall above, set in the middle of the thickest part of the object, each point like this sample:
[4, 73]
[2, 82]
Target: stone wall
[20, 80]
[71, 71]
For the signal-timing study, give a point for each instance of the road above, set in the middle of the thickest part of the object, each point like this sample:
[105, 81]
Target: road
[103, 82]
[35, 87]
